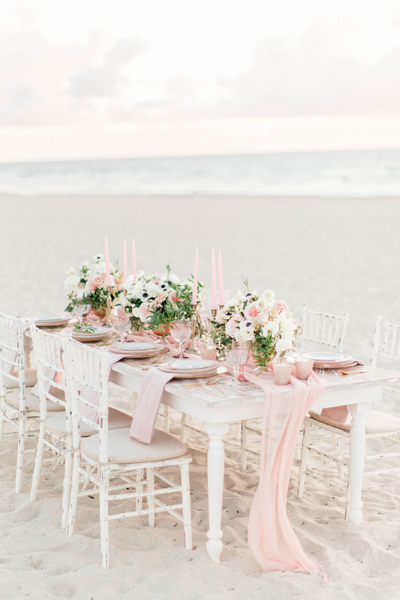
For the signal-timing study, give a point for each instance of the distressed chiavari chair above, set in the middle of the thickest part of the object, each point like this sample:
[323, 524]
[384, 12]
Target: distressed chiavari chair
[110, 459]
[386, 346]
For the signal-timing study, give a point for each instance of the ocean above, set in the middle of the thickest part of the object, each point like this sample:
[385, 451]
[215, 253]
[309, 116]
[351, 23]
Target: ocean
[350, 173]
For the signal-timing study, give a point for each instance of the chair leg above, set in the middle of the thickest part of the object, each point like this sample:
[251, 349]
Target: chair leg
[187, 512]
[183, 428]
[1, 425]
[139, 488]
[20, 452]
[103, 496]
[150, 501]
[166, 418]
[74, 494]
[336, 447]
[303, 464]
[38, 463]
[66, 486]
[243, 446]
[297, 453]
[238, 431]
[346, 508]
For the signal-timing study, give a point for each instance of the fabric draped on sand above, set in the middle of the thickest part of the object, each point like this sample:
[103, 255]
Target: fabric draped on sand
[271, 537]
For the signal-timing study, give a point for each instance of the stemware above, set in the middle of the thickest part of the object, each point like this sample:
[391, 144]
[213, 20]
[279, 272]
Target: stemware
[236, 357]
[79, 310]
[181, 332]
[206, 323]
[120, 320]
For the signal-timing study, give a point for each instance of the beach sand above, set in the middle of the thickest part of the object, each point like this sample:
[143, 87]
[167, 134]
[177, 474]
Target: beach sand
[338, 255]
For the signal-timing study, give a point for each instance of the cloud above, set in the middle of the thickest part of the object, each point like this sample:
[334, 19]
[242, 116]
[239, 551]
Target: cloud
[105, 80]
[315, 76]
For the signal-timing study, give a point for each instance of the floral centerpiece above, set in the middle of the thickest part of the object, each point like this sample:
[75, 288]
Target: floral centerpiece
[156, 301]
[88, 284]
[261, 321]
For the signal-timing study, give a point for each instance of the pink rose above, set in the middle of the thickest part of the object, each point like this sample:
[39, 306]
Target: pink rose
[161, 297]
[144, 311]
[282, 307]
[251, 310]
[98, 280]
[174, 297]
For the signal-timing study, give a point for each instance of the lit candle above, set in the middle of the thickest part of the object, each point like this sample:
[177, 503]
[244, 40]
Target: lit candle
[195, 275]
[108, 274]
[125, 275]
[133, 258]
[221, 280]
[213, 282]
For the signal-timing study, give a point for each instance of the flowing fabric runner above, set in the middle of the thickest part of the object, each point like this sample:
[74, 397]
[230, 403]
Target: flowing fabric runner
[271, 537]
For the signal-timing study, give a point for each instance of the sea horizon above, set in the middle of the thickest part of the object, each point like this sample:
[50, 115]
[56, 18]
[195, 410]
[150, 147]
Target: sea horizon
[339, 173]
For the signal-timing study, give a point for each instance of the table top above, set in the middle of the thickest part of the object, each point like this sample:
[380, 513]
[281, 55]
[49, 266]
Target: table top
[226, 393]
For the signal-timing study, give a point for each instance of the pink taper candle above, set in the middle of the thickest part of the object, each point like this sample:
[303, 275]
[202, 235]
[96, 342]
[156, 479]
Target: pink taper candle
[125, 275]
[108, 274]
[195, 276]
[133, 258]
[221, 280]
[213, 282]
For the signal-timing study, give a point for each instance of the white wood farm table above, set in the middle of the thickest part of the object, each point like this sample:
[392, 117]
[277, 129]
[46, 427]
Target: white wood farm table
[219, 405]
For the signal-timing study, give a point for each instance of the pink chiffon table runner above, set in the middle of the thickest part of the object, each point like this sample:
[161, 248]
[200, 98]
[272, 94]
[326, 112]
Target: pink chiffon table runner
[271, 537]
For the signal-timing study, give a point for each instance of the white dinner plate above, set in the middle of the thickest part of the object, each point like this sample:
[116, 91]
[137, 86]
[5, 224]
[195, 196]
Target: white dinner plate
[139, 353]
[324, 356]
[136, 346]
[194, 374]
[91, 336]
[52, 320]
[190, 365]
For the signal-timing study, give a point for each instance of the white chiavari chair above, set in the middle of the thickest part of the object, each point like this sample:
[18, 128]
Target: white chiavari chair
[109, 460]
[319, 329]
[19, 407]
[55, 431]
[386, 346]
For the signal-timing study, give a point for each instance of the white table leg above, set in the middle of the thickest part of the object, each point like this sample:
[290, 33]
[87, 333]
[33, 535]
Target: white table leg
[215, 471]
[357, 449]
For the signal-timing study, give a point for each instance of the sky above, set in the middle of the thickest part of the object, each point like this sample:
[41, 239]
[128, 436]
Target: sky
[95, 79]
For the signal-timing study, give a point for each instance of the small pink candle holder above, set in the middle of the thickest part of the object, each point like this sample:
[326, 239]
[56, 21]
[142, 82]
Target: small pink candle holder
[282, 372]
[304, 367]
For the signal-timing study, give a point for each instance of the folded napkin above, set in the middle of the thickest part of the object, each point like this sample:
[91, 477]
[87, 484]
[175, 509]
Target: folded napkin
[340, 414]
[271, 537]
[146, 411]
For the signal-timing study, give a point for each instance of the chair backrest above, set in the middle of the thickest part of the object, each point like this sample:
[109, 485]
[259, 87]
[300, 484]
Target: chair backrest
[386, 345]
[324, 329]
[86, 372]
[50, 371]
[12, 356]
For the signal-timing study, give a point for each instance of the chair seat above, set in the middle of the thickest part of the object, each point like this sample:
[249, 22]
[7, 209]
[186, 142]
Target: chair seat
[376, 422]
[123, 449]
[116, 420]
[30, 379]
[33, 402]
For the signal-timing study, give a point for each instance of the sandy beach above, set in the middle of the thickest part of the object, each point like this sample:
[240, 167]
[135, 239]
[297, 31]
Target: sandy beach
[334, 254]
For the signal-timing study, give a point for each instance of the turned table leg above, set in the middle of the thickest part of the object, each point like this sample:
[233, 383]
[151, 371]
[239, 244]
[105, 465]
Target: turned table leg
[357, 449]
[215, 472]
